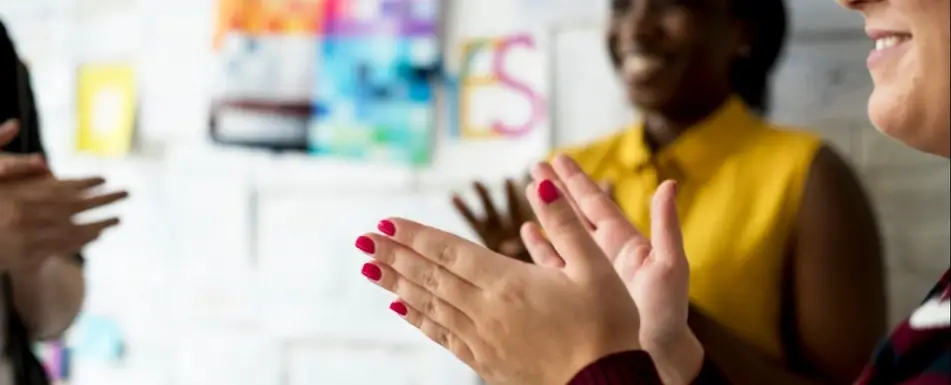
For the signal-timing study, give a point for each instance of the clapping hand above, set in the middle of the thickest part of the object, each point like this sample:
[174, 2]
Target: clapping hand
[498, 229]
[512, 322]
[655, 271]
[522, 324]
[37, 210]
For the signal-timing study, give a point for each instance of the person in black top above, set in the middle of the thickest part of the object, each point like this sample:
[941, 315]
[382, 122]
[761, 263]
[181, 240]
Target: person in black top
[40, 265]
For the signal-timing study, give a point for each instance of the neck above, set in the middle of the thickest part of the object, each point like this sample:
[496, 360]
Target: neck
[663, 126]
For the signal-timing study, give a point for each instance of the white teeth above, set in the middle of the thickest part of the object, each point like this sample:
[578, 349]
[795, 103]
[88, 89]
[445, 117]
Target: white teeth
[888, 42]
[637, 64]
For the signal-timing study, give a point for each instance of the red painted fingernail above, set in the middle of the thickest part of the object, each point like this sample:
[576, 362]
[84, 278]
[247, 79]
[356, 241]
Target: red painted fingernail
[372, 272]
[547, 191]
[399, 308]
[366, 245]
[386, 227]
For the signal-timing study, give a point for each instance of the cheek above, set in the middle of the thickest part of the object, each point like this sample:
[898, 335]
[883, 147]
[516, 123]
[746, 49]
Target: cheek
[910, 103]
[913, 106]
[897, 99]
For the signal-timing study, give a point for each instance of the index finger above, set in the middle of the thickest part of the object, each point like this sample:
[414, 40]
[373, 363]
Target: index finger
[473, 263]
[543, 171]
[569, 235]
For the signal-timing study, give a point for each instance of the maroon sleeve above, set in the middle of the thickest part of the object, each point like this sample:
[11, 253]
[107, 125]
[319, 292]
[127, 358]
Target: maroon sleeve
[627, 368]
[637, 368]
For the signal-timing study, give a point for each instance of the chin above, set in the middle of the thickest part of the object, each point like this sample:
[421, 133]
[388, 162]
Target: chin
[913, 112]
[647, 98]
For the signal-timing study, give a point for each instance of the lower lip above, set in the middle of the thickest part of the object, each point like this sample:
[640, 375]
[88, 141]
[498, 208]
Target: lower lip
[878, 55]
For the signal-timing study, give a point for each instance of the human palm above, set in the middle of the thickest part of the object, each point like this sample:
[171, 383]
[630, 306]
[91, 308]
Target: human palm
[655, 271]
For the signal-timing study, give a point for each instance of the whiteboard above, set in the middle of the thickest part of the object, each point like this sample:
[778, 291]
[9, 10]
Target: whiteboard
[588, 100]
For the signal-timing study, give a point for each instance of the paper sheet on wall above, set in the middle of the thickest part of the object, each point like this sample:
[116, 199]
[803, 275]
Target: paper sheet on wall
[504, 122]
[107, 109]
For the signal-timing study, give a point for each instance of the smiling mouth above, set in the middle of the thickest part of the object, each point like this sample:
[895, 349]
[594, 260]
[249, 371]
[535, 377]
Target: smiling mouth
[641, 67]
[890, 41]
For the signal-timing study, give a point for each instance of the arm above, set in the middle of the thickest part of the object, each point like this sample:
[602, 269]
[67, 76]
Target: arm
[47, 299]
[837, 286]
[742, 363]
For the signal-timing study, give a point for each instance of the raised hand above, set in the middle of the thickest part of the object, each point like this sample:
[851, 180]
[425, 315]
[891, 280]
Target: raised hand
[514, 323]
[655, 271]
[37, 210]
[499, 231]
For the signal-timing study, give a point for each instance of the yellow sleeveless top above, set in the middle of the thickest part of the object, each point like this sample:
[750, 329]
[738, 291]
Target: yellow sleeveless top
[741, 182]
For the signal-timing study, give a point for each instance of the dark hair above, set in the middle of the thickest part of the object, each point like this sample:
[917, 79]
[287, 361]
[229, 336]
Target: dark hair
[750, 74]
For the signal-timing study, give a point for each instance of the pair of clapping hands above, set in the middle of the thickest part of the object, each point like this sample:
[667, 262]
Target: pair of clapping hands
[37, 209]
[597, 287]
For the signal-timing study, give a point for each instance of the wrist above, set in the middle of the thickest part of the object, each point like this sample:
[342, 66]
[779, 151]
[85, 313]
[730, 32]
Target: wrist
[679, 359]
[597, 349]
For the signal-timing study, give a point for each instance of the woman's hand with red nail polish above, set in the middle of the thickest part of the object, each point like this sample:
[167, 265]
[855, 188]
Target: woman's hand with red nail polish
[655, 270]
[514, 323]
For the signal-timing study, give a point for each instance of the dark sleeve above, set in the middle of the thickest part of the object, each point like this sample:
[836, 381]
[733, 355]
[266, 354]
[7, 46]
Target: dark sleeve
[16, 99]
[9, 102]
[637, 368]
[30, 118]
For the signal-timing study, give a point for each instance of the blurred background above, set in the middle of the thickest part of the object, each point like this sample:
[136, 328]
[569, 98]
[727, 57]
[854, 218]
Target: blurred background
[258, 138]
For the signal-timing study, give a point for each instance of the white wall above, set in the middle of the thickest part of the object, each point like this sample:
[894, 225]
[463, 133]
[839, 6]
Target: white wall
[235, 267]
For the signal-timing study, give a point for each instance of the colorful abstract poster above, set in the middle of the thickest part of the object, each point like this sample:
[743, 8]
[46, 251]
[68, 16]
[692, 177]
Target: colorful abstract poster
[265, 58]
[262, 17]
[374, 98]
[501, 88]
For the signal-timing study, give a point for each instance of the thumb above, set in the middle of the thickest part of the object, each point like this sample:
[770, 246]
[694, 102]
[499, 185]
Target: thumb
[8, 131]
[666, 236]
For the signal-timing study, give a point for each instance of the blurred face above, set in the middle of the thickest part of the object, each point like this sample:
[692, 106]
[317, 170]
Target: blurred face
[669, 51]
[910, 68]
